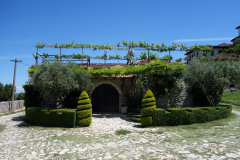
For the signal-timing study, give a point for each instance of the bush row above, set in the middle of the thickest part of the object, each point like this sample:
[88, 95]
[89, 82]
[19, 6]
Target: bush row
[181, 116]
[55, 117]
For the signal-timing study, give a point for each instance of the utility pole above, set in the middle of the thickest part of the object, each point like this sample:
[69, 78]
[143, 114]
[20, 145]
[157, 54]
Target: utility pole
[13, 89]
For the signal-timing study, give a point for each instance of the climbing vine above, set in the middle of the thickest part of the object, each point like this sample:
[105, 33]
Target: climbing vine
[150, 68]
[126, 45]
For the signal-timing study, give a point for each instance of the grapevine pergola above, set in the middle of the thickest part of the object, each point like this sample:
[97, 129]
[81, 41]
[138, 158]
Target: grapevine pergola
[144, 46]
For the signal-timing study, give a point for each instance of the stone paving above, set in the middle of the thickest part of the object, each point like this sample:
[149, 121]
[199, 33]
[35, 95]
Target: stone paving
[99, 141]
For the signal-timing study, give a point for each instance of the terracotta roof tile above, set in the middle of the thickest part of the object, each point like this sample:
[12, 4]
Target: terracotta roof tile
[223, 45]
[235, 38]
[189, 52]
[145, 61]
[106, 65]
[225, 56]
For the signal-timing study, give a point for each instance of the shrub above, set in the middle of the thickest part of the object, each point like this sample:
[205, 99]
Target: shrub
[84, 110]
[48, 117]
[177, 116]
[181, 116]
[59, 79]
[31, 96]
[207, 78]
[134, 101]
[148, 107]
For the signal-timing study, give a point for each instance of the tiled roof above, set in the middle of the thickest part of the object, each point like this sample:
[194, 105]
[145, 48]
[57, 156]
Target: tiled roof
[145, 61]
[224, 56]
[235, 38]
[107, 65]
[223, 45]
[238, 27]
[189, 52]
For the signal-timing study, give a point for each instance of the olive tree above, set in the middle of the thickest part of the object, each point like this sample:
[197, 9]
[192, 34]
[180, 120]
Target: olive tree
[207, 78]
[57, 80]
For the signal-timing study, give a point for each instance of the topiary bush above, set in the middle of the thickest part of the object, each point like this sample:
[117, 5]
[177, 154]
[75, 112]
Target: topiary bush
[147, 109]
[84, 110]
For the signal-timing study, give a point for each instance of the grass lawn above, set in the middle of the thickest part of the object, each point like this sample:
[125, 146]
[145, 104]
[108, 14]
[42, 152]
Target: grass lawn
[1, 128]
[232, 97]
[134, 118]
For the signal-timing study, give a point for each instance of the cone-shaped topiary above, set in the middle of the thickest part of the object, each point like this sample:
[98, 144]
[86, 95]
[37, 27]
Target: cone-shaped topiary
[84, 110]
[147, 109]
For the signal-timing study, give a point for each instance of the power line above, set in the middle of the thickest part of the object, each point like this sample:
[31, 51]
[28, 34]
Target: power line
[25, 64]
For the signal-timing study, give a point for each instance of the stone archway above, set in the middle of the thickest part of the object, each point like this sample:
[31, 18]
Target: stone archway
[117, 86]
[105, 98]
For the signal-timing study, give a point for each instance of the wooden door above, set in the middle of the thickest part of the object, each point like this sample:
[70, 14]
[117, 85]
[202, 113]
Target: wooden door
[105, 98]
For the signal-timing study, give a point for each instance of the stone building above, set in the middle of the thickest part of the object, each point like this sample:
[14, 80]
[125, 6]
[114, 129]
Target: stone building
[109, 93]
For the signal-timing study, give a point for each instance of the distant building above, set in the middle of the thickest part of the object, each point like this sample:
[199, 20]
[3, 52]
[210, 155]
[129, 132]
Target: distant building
[217, 49]
[234, 39]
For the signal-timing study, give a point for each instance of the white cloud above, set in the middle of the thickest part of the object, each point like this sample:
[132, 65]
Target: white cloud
[204, 39]
[4, 57]
[19, 89]
[16, 56]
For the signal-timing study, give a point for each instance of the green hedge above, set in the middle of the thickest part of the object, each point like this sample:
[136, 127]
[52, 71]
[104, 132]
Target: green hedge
[54, 117]
[181, 116]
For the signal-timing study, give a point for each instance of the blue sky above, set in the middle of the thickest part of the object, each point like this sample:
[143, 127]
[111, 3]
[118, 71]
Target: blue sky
[26, 22]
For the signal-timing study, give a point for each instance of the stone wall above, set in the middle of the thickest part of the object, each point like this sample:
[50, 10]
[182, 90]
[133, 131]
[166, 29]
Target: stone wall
[177, 100]
[6, 105]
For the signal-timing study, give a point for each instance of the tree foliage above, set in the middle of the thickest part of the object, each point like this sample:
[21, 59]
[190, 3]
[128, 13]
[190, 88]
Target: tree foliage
[179, 60]
[5, 92]
[20, 96]
[207, 78]
[56, 79]
[234, 49]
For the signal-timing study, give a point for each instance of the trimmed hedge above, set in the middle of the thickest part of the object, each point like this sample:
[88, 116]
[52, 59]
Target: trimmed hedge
[54, 117]
[181, 116]
[84, 110]
[148, 107]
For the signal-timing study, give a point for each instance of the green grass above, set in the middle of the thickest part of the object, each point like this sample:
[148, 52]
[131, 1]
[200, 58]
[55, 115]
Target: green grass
[134, 118]
[160, 132]
[1, 128]
[232, 97]
[189, 127]
[122, 132]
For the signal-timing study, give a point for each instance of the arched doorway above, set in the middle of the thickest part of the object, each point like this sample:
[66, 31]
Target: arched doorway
[105, 98]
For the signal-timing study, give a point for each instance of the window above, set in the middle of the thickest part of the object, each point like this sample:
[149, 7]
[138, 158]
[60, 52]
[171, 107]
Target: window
[219, 51]
[212, 53]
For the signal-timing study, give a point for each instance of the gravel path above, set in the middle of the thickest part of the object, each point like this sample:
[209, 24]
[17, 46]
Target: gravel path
[99, 141]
